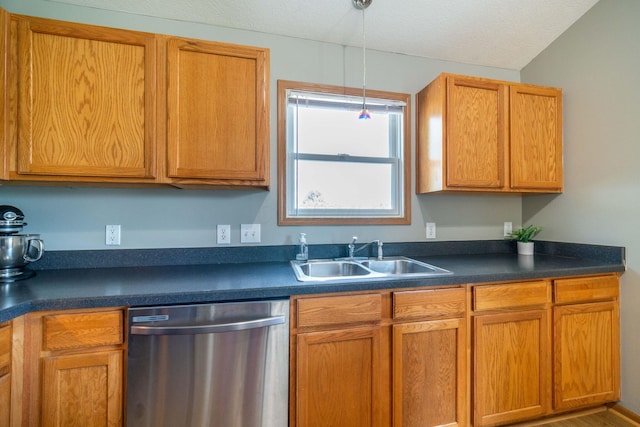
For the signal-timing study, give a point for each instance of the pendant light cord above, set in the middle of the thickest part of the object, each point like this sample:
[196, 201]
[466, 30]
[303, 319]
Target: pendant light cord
[364, 64]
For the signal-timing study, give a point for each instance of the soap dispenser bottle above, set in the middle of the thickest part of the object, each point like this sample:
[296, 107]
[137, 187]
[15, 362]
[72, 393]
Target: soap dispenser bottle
[303, 254]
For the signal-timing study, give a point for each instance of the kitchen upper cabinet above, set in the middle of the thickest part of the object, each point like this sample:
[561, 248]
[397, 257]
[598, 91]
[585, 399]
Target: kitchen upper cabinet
[511, 352]
[107, 106]
[482, 135]
[586, 342]
[217, 113]
[4, 52]
[85, 103]
[74, 368]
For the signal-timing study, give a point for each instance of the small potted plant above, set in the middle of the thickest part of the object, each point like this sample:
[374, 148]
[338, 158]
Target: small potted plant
[524, 236]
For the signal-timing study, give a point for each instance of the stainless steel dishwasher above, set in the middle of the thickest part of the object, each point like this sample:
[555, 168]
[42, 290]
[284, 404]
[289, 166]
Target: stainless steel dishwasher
[209, 365]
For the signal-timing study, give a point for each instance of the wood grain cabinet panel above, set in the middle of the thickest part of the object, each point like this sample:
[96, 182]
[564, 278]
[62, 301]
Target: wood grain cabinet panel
[338, 310]
[217, 113]
[476, 134]
[77, 330]
[429, 373]
[101, 105]
[586, 328]
[4, 57]
[83, 390]
[512, 367]
[86, 102]
[73, 368]
[338, 378]
[586, 289]
[511, 295]
[429, 304]
[535, 138]
[389, 358]
[5, 373]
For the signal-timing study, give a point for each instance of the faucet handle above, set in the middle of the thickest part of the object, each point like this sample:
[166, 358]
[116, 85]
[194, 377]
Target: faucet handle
[355, 239]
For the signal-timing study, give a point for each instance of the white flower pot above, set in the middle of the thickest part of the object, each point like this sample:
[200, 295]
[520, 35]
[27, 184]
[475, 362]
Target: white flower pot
[525, 248]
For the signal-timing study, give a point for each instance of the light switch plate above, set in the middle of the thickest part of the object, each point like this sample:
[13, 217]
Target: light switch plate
[508, 228]
[249, 233]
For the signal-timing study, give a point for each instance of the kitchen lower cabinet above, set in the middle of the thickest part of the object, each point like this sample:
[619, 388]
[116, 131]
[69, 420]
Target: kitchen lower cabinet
[587, 342]
[429, 358]
[84, 387]
[5, 373]
[73, 368]
[511, 352]
[393, 358]
[338, 378]
[338, 363]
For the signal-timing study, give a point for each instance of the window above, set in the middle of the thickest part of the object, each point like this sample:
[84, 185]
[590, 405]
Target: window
[334, 168]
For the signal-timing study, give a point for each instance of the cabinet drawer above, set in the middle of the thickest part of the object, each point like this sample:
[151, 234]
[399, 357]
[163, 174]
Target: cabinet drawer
[66, 331]
[586, 289]
[430, 304]
[338, 310]
[5, 348]
[493, 297]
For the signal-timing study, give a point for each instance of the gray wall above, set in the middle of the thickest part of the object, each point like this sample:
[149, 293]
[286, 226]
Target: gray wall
[597, 63]
[74, 218]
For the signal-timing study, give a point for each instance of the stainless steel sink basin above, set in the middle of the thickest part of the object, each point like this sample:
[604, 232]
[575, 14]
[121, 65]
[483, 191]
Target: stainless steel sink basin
[349, 269]
[333, 269]
[403, 266]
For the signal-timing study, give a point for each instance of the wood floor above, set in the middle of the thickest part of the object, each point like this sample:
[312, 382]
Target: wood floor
[597, 418]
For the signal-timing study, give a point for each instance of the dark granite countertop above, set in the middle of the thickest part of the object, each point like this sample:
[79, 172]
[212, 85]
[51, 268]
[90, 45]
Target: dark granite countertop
[85, 279]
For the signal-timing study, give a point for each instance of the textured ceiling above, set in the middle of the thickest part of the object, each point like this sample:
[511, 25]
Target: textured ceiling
[497, 33]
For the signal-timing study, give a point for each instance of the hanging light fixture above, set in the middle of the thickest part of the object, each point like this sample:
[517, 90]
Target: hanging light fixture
[362, 5]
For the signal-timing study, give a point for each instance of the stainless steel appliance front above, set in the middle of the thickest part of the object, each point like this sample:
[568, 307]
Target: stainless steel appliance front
[213, 365]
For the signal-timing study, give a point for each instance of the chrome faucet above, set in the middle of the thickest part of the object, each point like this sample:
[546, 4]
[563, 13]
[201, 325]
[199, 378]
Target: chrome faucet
[352, 247]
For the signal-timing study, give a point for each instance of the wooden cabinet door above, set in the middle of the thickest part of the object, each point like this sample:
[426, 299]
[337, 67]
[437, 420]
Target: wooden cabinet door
[86, 103]
[429, 373]
[338, 379]
[82, 389]
[476, 132]
[536, 138]
[5, 373]
[587, 354]
[512, 367]
[4, 51]
[217, 113]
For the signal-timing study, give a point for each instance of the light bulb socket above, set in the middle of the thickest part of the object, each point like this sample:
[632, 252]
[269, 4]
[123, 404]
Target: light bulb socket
[361, 4]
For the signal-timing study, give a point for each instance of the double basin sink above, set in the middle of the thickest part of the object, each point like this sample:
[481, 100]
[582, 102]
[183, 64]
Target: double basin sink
[355, 268]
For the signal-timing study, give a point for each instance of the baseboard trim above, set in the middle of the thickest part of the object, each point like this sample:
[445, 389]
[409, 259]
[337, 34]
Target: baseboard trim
[625, 413]
[561, 417]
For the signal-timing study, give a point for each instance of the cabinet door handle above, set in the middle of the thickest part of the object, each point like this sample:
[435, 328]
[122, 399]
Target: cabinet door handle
[207, 329]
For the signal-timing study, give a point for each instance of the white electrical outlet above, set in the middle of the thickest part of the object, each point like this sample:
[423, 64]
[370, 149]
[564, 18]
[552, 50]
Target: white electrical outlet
[249, 233]
[508, 228]
[112, 235]
[224, 234]
[431, 230]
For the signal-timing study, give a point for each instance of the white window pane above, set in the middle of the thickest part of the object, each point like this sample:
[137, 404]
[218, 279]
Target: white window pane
[328, 131]
[343, 185]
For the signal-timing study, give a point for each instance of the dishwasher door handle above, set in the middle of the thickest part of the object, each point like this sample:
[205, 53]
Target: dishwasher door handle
[207, 329]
